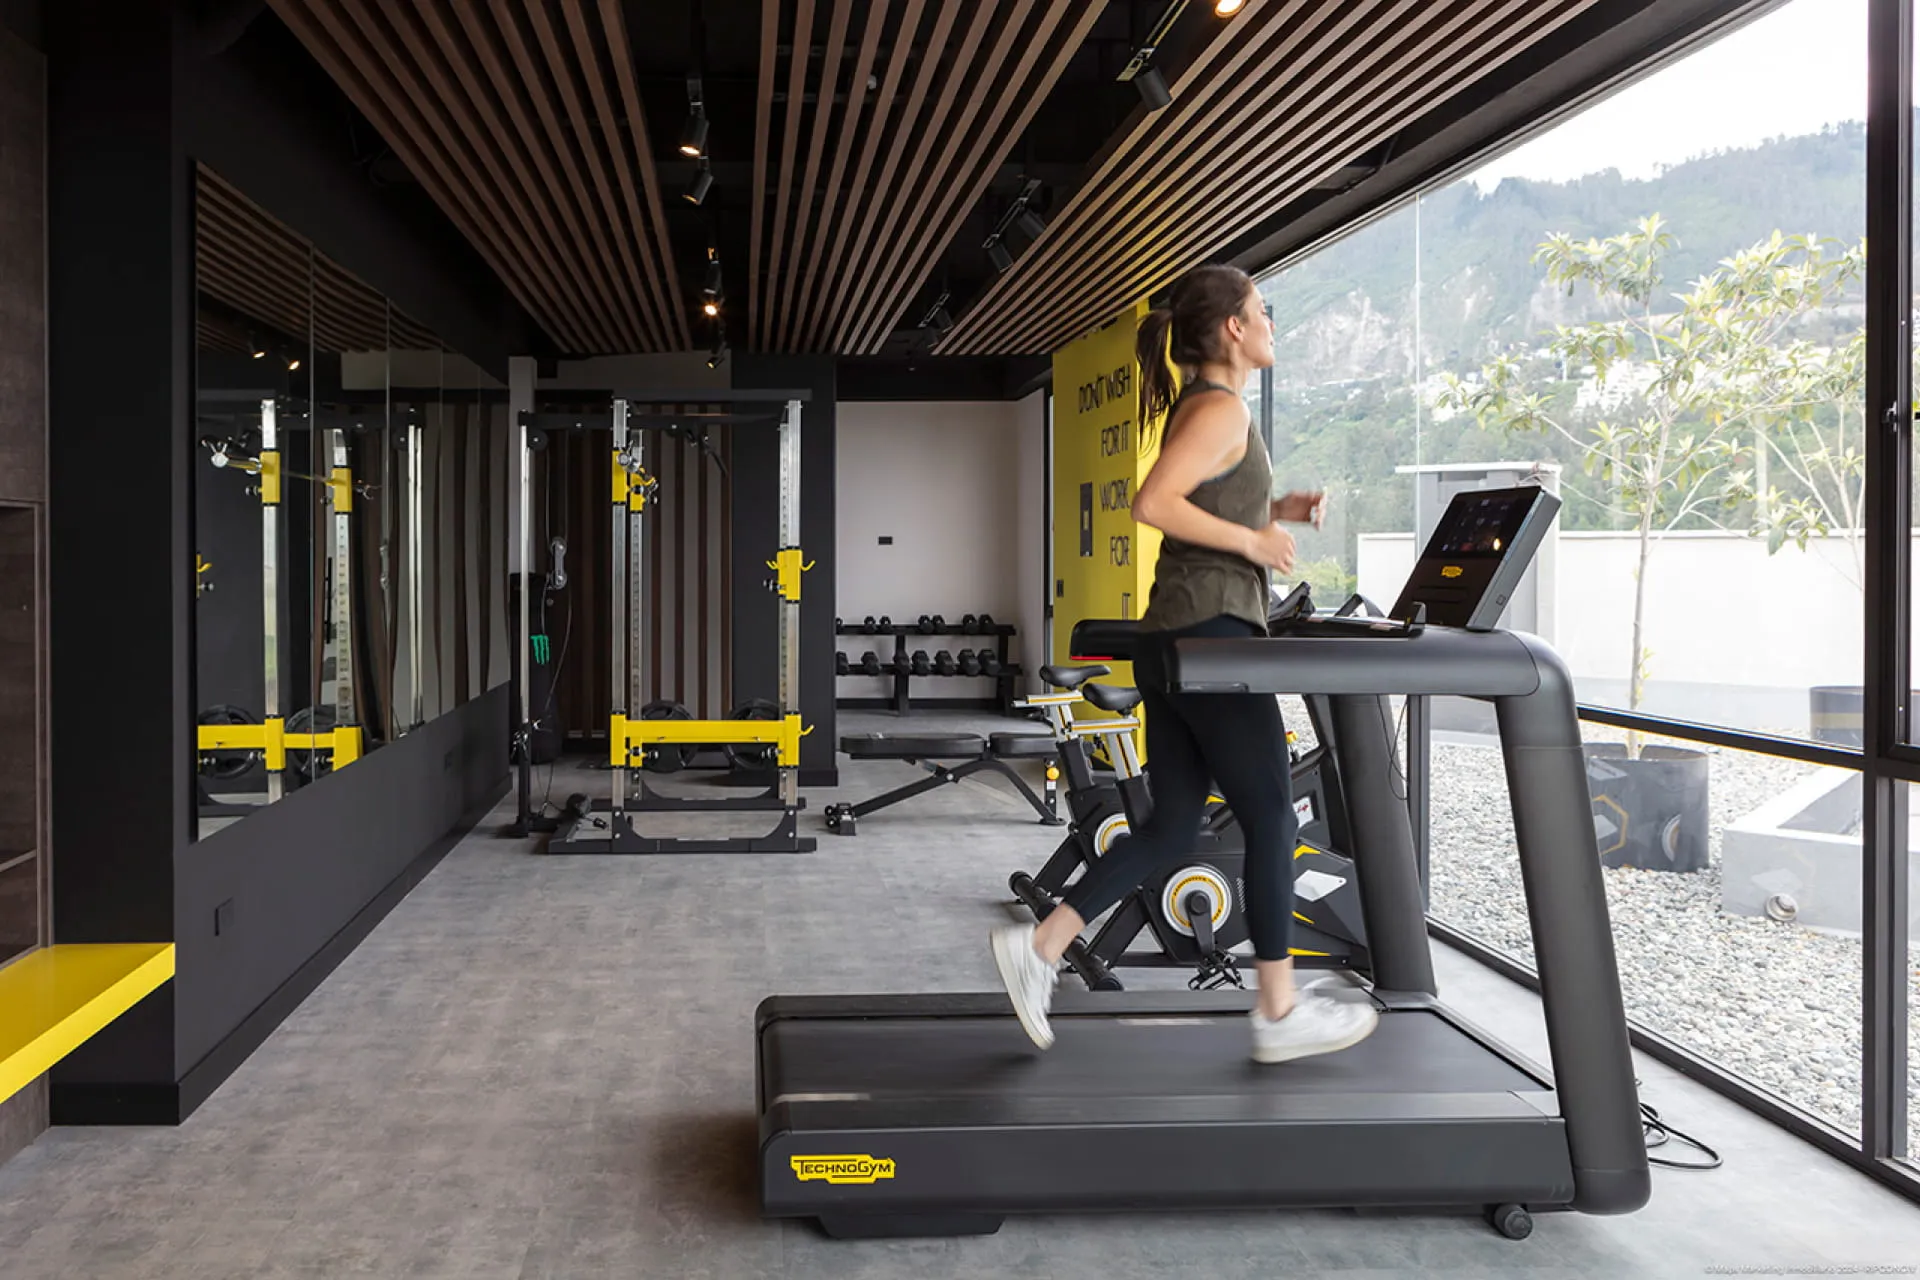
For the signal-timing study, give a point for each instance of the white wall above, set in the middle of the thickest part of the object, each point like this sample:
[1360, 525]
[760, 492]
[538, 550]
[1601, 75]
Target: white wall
[1736, 636]
[947, 482]
[1034, 535]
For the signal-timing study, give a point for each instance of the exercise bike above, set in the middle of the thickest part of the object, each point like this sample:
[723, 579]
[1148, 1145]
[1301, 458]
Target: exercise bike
[1195, 911]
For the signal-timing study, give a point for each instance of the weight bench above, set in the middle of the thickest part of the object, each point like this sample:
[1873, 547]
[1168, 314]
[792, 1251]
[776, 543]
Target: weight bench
[928, 750]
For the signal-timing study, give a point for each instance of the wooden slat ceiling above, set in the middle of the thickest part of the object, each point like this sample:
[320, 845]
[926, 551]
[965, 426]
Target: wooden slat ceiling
[523, 120]
[1286, 94]
[856, 195]
[257, 269]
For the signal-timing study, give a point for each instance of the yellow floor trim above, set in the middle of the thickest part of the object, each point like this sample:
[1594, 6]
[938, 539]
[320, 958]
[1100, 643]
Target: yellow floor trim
[55, 999]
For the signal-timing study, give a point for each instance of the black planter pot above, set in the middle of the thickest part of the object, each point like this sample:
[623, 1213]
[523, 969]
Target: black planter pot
[1650, 812]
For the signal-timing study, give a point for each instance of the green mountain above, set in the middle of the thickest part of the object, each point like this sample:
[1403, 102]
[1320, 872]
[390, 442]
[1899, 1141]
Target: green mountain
[1347, 313]
[1346, 319]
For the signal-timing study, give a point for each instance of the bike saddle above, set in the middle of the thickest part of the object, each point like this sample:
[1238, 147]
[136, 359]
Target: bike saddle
[1117, 698]
[1072, 677]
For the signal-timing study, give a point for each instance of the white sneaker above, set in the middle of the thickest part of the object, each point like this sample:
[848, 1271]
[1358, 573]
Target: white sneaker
[1317, 1023]
[1030, 980]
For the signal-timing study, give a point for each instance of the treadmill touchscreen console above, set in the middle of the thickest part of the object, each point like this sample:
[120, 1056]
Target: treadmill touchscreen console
[1477, 555]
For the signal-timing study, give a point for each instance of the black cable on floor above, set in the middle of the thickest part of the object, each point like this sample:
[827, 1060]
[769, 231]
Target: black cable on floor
[1658, 1133]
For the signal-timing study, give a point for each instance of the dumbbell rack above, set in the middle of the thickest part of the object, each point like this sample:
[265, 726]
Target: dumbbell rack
[902, 669]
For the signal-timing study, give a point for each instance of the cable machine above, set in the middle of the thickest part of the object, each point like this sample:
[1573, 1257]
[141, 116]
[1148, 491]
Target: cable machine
[636, 745]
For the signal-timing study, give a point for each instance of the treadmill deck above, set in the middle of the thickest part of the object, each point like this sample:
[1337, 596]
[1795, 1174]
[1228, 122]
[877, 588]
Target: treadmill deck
[941, 1105]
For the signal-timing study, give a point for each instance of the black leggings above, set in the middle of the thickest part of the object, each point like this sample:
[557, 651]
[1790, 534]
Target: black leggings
[1194, 739]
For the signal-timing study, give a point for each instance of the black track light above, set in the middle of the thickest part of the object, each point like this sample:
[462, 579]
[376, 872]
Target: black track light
[1029, 223]
[1227, 8]
[693, 139]
[718, 356]
[696, 191]
[1153, 89]
[997, 254]
[713, 273]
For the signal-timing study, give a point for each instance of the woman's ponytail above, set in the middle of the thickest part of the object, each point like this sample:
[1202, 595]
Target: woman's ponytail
[1185, 334]
[1156, 372]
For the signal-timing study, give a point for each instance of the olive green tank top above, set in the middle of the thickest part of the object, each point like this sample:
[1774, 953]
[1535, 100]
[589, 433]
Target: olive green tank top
[1193, 583]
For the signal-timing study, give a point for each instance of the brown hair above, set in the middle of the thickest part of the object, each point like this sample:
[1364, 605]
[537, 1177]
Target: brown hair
[1185, 334]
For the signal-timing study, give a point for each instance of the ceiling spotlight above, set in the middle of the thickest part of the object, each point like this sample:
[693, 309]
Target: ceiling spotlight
[1227, 8]
[937, 317]
[693, 139]
[293, 364]
[997, 254]
[711, 306]
[259, 352]
[713, 271]
[702, 182]
[1030, 223]
[719, 354]
[1153, 89]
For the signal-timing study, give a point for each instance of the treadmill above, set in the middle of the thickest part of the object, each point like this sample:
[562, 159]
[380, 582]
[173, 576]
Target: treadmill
[891, 1115]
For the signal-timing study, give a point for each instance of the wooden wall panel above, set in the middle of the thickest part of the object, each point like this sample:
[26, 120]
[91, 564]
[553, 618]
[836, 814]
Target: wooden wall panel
[23, 267]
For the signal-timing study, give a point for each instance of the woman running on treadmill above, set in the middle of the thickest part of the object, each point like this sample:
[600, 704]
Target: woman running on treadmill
[1209, 493]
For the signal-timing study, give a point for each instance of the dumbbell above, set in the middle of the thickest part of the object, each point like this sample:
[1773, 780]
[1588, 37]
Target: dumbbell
[969, 625]
[886, 623]
[925, 625]
[837, 624]
[869, 625]
[985, 622]
[943, 663]
[969, 663]
[940, 626]
[870, 663]
[922, 665]
[841, 666]
[989, 663]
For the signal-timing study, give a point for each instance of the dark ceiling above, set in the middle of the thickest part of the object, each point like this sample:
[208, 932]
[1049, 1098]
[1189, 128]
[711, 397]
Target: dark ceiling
[853, 189]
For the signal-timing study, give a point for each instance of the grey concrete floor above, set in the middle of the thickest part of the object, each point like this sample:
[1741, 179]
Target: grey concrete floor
[543, 1068]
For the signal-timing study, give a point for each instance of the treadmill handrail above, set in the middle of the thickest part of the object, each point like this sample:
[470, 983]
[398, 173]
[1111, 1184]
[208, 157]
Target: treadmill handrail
[1439, 661]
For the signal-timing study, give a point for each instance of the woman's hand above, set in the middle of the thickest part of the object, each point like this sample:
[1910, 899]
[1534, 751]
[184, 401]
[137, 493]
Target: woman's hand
[1301, 508]
[1271, 548]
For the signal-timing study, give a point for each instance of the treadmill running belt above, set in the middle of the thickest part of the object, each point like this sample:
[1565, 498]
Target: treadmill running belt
[882, 1058]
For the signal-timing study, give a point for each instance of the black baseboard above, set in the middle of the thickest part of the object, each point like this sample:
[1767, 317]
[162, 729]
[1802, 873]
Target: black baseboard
[921, 704]
[110, 1104]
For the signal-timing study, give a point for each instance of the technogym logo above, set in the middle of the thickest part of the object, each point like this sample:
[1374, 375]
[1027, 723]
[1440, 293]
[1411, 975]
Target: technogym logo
[842, 1170]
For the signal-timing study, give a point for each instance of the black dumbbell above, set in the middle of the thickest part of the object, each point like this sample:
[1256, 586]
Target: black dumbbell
[940, 626]
[841, 666]
[989, 663]
[868, 625]
[886, 623]
[837, 624]
[969, 624]
[922, 665]
[985, 622]
[870, 663]
[969, 663]
[925, 625]
[943, 663]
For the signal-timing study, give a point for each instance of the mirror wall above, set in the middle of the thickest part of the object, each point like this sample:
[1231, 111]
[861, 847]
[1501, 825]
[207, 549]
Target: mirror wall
[345, 468]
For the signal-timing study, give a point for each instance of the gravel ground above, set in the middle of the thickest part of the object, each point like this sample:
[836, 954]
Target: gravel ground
[1777, 1003]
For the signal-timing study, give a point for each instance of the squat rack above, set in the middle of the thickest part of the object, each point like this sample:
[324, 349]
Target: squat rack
[269, 739]
[607, 826]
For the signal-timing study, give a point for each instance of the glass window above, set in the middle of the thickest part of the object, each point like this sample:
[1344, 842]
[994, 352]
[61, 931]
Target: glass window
[1656, 309]
[1733, 886]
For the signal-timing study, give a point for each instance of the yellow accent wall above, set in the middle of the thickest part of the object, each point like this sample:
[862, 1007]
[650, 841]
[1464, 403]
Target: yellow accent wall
[1103, 562]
